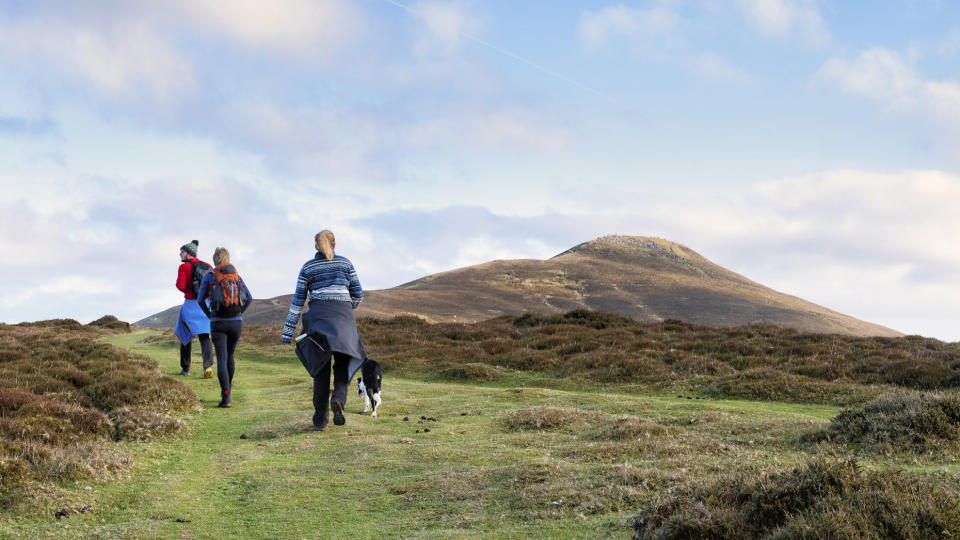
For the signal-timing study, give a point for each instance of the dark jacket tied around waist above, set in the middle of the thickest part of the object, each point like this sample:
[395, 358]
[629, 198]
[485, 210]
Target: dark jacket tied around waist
[330, 328]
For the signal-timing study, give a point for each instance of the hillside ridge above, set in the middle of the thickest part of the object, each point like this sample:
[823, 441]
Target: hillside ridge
[645, 278]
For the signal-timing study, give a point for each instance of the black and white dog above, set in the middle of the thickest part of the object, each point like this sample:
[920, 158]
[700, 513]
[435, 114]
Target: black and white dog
[368, 386]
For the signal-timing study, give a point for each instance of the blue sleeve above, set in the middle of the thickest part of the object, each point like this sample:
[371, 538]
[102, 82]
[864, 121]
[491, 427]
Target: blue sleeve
[249, 296]
[296, 306]
[202, 294]
[356, 291]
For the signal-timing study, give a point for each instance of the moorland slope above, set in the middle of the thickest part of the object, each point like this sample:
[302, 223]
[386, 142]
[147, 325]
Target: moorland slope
[648, 279]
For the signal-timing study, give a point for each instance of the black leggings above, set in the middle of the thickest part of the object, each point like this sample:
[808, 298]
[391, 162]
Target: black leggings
[321, 388]
[225, 336]
[205, 352]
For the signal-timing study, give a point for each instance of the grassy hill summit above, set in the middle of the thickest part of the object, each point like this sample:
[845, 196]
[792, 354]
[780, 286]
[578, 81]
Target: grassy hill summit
[648, 279]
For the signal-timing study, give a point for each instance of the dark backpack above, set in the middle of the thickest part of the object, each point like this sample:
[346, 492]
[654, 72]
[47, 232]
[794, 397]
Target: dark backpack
[227, 295]
[199, 269]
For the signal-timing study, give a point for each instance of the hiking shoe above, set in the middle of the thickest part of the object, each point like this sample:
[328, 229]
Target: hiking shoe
[338, 419]
[224, 400]
[319, 428]
[208, 373]
[184, 372]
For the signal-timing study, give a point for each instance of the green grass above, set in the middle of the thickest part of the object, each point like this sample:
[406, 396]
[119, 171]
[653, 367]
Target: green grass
[524, 454]
[470, 475]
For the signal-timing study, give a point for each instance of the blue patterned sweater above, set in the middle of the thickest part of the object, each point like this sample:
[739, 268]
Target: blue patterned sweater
[321, 279]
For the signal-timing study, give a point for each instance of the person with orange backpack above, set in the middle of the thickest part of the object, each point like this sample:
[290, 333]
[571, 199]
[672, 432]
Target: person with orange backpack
[192, 321]
[227, 297]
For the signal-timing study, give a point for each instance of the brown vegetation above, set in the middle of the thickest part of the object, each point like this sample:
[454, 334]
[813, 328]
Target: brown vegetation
[64, 397]
[756, 362]
[898, 422]
[821, 499]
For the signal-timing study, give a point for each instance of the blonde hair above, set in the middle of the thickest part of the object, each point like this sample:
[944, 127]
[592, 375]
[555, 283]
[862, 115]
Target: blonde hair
[324, 242]
[221, 256]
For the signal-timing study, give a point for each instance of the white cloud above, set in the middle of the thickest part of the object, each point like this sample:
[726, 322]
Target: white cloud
[598, 27]
[119, 58]
[786, 18]
[311, 28]
[890, 79]
[69, 285]
[447, 23]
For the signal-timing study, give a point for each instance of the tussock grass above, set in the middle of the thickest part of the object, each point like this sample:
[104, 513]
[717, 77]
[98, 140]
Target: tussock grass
[819, 499]
[899, 422]
[64, 399]
[109, 322]
[757, 362]
[543, 418]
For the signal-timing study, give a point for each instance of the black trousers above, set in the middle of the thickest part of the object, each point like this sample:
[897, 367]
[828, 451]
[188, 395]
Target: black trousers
[226, 335]
[205, 352]
[321, 389]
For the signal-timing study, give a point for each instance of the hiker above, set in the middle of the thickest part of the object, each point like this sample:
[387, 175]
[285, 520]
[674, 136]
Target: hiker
[331, 284]
[229, 297]
[192, 321]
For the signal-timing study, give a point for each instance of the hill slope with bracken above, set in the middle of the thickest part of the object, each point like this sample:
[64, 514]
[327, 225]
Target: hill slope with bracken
[649, 279]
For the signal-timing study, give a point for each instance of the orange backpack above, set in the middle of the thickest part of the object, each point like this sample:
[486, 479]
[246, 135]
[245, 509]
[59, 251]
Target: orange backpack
[227, 295]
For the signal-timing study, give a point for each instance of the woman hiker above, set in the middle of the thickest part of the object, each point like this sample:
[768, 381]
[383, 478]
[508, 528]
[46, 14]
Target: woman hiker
[192, 321]
[331, 284]
[229, 297]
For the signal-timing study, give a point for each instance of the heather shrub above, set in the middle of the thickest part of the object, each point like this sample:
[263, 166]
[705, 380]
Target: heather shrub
[700, 365]
[627, 428]
[819, 499]
[760, 362]
[815, 368]
[543, 418]
[109, 322]
[470, 371]
[910, 421]
[580, 317]
[62, 394]
[921, 374]
[768, 384]
[162, 337]
[744, 363]
[613, 365]
[498, 345]
[578, 347]
[259, 335]
[528, 360]
[138, 424]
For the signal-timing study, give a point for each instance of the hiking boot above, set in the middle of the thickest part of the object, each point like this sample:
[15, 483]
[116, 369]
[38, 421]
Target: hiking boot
[338, 419]
[224, 400]
[208, 373]
[319, 428]
[184, 371]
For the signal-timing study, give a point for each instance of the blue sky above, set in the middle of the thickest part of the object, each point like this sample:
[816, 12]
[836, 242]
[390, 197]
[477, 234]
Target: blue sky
[812, 146]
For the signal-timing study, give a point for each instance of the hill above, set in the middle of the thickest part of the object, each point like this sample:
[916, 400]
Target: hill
[648, 279]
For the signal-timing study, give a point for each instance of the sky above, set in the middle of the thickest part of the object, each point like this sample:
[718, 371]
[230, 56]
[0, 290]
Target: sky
[812, 146]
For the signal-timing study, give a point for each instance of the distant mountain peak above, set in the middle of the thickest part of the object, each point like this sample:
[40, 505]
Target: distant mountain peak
[615, 244]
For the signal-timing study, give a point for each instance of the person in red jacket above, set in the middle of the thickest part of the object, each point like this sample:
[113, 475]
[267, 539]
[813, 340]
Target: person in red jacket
[192, 321]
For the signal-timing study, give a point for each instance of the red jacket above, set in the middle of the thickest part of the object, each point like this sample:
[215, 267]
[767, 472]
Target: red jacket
[185, 279]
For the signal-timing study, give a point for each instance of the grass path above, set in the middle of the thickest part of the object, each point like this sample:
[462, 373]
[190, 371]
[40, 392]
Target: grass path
[469, 476]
